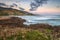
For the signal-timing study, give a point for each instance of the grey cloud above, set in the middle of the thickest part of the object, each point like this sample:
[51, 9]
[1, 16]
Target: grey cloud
[34, 5]
[21, 8]
[14, 5]
[2, 4]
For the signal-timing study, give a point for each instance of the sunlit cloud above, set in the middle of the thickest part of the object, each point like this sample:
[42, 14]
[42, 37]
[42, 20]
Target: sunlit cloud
[51, 6]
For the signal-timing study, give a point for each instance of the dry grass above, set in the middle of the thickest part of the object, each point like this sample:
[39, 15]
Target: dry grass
[18, 33]
[8, 32]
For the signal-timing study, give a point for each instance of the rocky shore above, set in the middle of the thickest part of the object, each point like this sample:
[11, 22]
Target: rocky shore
[18, 22]
[14, 25]
[12, 21]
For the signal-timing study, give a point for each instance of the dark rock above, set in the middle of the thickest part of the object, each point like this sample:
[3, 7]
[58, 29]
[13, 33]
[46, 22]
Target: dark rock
[56, 28]
[37, 26]
[13, 21]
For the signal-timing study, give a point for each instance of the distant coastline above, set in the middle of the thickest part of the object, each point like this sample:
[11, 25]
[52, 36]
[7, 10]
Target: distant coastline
[11, 11]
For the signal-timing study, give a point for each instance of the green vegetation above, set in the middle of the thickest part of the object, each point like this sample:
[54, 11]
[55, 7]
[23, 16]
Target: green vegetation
[35, 35]
[25, 34]
[4, 14]
[15, 14]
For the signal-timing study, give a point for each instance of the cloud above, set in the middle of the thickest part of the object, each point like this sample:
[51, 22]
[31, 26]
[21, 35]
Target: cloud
[2, 4]
[14, 5]
[34, 5]
[21, 8]
[57, 6]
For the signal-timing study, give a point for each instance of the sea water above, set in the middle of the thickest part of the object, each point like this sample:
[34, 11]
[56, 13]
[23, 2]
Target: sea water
[52, 20]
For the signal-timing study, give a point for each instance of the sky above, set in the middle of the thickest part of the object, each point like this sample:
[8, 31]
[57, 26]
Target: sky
[52, 6]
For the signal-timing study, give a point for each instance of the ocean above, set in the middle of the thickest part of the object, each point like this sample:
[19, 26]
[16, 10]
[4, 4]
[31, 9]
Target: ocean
[51, 20]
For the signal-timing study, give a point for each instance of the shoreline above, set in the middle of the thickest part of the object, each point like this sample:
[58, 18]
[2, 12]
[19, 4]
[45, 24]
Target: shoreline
[16, 21]
[14, 27]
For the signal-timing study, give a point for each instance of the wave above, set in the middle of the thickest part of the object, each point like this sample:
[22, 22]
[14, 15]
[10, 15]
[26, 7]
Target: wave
[54, 20]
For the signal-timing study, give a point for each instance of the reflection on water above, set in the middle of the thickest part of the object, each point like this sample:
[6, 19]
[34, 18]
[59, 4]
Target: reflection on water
[52, 20]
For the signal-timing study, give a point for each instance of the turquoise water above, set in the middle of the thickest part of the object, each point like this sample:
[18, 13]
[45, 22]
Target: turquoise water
[52, 20]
